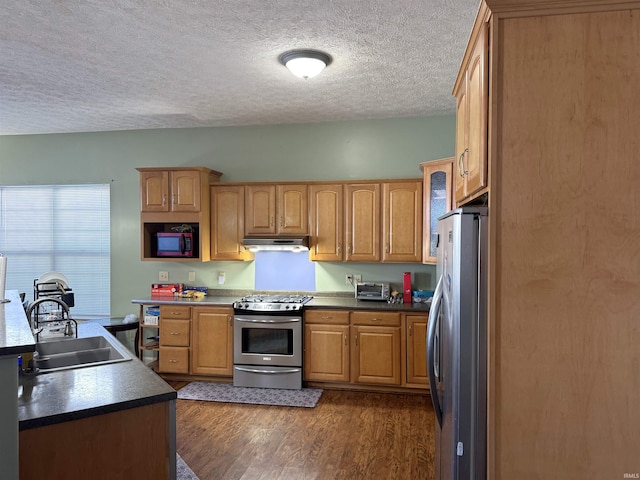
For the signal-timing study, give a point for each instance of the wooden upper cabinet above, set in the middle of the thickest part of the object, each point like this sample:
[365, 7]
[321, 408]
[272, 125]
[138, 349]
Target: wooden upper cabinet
[326, 204]
[472, 93]
[402, 222]
[276, 209]
[260, 213]
[154, 191]
[437, 194]
[173, 190]
[293, 209]
[362, 230]
[227, 223]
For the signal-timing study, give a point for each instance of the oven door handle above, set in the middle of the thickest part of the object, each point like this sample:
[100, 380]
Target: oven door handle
[270, 372]
[268, 320]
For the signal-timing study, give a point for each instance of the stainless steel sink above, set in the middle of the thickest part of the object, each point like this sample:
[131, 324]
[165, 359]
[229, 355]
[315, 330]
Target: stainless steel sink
[67, 353]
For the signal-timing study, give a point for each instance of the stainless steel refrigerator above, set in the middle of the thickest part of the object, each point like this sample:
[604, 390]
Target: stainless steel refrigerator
[456, 345]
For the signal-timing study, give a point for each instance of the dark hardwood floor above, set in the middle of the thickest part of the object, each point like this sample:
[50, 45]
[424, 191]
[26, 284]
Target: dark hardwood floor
[348, 435]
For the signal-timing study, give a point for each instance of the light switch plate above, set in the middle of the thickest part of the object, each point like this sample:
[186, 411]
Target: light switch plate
[192, 276]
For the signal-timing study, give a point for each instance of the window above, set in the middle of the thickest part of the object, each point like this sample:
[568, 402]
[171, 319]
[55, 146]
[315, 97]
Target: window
[59, 228]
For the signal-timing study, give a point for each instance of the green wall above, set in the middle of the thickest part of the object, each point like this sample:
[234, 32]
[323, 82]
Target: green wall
[375, 149]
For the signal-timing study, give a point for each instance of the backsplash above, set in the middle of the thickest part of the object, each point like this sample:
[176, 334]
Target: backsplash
[284, 271]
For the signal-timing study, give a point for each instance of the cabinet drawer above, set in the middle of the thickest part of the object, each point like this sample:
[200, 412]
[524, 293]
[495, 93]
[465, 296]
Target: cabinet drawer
[334, 317]
[175, 311]
[174, 360]
[174, 333]
[391, 319]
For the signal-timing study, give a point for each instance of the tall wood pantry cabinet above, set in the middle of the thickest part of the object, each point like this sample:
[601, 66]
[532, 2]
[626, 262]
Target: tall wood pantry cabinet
[564, 261]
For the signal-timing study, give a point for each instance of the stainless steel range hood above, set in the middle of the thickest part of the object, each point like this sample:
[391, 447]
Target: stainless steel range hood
[288, 244]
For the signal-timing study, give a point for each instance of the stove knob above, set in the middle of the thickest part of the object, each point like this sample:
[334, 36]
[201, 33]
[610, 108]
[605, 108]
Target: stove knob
[287, 306]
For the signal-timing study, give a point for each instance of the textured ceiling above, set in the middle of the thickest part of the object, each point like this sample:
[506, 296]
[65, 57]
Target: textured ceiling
[98, 65]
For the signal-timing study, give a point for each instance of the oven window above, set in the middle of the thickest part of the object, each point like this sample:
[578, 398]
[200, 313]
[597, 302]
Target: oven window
[276, 341]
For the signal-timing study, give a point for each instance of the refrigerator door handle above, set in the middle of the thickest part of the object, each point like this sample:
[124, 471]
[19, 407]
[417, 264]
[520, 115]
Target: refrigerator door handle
[433, 349]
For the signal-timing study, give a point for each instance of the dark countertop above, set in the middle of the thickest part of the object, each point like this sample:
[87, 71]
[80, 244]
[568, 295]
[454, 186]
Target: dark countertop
[15, 334]
[339, 300]
[68, 395]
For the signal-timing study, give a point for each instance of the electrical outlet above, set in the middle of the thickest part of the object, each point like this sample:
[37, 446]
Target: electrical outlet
[348, 279]
[192, 276]
[163, 276]
[357, 278]
[221, 278]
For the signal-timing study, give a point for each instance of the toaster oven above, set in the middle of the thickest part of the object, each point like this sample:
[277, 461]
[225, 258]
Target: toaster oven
[373, 291]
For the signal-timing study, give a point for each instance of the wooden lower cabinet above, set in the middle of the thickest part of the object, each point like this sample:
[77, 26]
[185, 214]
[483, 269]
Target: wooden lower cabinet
[361, 347]
[212, 341]
[175, 339]
[416, 355]
[173, 360]
[375, 355]
[326, 353]
[130, 443]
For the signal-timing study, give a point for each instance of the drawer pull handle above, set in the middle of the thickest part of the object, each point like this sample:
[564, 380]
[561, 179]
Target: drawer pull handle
[175, 333]
[376, 319]
[173, 361]
[327, 318]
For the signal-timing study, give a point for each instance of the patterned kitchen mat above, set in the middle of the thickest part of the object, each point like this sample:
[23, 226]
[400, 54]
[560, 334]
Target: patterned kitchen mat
[183, 472]
[226, 392]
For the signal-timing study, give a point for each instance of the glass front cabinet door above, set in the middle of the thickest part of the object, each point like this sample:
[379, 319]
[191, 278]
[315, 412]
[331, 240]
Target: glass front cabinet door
[438, 181]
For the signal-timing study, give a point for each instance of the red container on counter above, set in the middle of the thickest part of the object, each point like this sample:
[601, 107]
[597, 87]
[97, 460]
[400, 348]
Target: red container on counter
[406, 287]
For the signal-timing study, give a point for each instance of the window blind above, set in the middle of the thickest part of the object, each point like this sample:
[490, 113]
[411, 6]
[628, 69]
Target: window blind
[59, 228]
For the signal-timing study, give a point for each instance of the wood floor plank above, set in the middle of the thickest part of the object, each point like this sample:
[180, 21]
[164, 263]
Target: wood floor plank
[347, 436]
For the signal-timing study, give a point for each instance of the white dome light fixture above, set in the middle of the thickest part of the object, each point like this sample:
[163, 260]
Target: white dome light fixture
[305, 63]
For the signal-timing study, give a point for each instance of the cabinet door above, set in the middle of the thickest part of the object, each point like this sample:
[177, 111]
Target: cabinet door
[293, 209]
[402, 224]
[185, 190]
[227, 223]
[362, 222]
[260, 211]
[437, 201]
[375, 355]
[471, 122]
[154, 191]
[475, 162]
[326, 221]
[462, 139]
[416, 326]
[212, 347]
[326, 353]
[173, 360]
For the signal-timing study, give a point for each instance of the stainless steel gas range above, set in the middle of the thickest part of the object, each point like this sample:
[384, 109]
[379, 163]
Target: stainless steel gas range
[267, 336]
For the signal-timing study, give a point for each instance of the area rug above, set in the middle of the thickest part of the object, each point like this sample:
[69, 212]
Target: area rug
[183, 472]
[225, 392]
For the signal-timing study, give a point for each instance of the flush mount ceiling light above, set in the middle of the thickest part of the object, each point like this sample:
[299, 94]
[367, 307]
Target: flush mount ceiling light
[305, 63]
